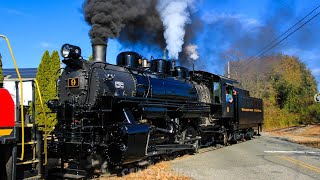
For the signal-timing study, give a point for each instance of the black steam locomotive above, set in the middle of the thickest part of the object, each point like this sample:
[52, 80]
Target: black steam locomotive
[139, 109]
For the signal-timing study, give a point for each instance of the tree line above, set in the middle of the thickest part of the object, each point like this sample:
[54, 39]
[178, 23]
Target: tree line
[286, 86]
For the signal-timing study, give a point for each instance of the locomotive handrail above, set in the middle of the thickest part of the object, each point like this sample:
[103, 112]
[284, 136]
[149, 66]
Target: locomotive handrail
[21, 94]
[46, 133]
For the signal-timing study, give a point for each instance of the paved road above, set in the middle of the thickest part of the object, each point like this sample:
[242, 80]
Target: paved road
[261, 158]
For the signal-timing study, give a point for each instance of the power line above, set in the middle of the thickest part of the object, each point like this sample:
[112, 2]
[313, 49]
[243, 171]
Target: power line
[263, 51]
[283, 39]
[289, 29]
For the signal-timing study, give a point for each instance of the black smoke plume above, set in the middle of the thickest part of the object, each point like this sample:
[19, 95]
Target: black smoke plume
[132, 22]
[128, 20]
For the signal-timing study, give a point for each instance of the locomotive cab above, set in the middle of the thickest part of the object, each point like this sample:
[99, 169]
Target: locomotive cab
[223, 89]
[212, 89]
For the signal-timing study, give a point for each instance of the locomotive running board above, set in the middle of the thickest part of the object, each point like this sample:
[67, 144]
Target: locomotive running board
[169, 148]
[174, 147]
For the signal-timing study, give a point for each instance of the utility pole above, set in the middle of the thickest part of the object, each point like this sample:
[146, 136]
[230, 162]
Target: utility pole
[228, 69]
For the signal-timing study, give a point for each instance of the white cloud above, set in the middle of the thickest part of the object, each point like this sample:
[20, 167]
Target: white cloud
[305, 54]
[12, 11]
[247, 22]
[316, 71]
[46, 45]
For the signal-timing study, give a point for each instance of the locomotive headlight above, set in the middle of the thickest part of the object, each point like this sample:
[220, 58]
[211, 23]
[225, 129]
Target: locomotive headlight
[70, 51]
[65, 51]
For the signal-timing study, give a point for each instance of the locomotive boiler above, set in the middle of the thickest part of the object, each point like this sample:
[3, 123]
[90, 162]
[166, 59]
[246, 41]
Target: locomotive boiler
[142, 108]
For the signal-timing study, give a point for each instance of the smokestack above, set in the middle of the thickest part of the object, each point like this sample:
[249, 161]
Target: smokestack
[99, 52]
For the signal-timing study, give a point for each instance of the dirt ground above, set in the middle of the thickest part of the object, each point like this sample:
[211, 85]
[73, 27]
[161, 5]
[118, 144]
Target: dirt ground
[308, 135]
[161, 170]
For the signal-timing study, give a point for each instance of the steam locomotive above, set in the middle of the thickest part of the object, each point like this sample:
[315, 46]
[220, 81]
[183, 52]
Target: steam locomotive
[138, 108]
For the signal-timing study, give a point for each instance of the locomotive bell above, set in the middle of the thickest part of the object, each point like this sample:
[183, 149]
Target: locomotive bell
[99, 52]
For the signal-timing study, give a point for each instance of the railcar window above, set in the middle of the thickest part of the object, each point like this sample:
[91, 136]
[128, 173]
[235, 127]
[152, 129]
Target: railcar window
[216, 92]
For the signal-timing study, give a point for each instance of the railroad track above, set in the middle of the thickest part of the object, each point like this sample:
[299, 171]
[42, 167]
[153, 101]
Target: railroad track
[219, 146]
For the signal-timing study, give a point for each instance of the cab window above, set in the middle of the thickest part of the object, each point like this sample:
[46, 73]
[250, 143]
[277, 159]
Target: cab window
[216, 92]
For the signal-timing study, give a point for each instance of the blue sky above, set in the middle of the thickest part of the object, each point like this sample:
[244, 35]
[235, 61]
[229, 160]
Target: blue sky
[38, 25]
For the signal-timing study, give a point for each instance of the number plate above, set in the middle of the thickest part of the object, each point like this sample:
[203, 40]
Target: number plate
[73, 82]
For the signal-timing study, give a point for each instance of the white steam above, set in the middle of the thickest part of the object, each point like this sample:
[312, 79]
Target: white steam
[192, 51]
[174, 15]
